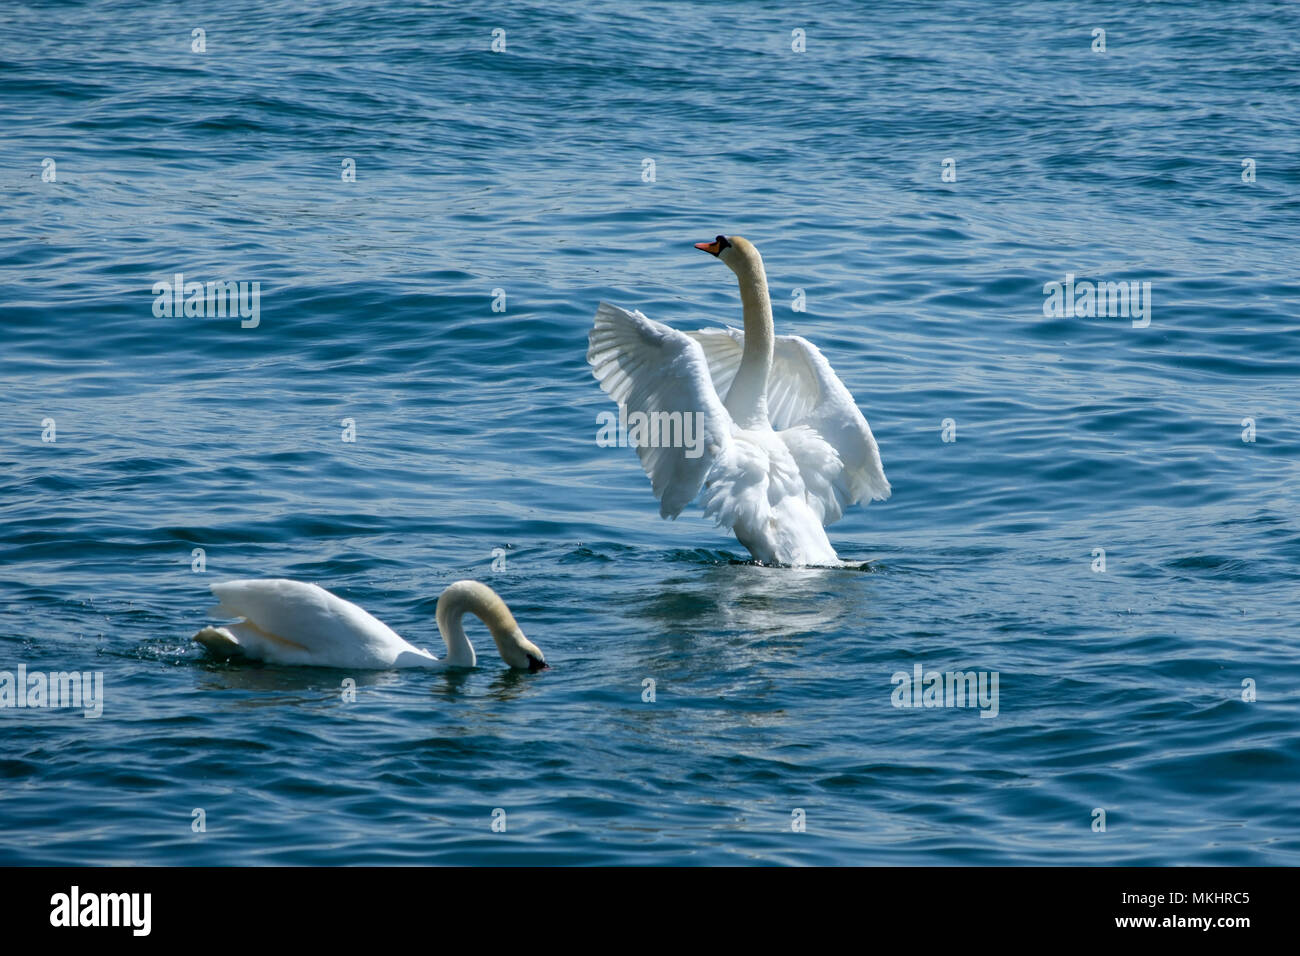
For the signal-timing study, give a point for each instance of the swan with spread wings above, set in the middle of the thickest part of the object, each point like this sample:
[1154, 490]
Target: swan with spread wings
[784, 448]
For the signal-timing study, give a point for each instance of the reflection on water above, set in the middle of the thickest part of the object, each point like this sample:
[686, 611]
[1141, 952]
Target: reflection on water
[749, 598]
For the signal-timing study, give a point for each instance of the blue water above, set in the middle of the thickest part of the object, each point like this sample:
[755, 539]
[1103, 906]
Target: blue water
[523, 171]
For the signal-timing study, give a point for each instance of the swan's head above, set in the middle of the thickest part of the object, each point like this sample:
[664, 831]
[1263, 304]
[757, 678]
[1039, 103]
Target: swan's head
[518, 651]
[485, 604]
[737, 252]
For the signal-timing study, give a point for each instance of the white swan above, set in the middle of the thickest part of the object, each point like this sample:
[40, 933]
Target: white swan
[290, 622]
[785, 449]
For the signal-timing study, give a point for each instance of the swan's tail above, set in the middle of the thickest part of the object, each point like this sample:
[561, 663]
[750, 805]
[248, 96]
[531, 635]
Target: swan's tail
[219, 642]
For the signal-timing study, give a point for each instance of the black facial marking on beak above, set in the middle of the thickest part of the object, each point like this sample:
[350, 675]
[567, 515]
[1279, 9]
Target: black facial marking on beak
[715, 247]
[536, 664]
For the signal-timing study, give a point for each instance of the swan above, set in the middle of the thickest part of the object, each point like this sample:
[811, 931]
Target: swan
[781, 448]
[292, 622]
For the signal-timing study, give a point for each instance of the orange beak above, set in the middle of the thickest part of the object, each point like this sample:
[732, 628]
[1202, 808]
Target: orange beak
[713, 248]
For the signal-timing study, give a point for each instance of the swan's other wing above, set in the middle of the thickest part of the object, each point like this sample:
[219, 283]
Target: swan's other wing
[792, 388]
[298, 623]
[803, 390]
[648, 367]
[722, 350]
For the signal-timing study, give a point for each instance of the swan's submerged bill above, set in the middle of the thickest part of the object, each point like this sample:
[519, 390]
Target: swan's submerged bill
[291, 622]
[785, 448]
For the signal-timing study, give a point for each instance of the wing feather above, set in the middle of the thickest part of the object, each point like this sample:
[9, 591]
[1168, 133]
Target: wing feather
[648, 367]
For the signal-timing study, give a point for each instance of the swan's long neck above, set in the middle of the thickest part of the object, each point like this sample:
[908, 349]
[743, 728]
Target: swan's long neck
[479, 600]
[747, 398]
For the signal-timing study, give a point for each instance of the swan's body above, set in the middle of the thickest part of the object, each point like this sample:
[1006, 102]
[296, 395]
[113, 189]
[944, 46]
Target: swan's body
[785, 449]
[290, 622]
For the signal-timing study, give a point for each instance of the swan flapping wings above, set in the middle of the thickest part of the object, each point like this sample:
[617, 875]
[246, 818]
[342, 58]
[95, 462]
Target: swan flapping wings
[649, 367]
[781, 447]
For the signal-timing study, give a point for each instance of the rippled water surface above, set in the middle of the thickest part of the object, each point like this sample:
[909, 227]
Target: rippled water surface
[524, 171]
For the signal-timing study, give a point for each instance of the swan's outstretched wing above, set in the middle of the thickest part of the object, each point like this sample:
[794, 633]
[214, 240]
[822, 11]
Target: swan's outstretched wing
[650, 368]
[803, 390]
[297, 623]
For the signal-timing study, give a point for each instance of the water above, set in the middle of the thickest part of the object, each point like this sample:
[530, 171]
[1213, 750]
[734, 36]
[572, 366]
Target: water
[522, 171]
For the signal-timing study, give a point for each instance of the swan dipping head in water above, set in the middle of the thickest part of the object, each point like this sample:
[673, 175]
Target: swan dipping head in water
[292, 622]
[783, 447]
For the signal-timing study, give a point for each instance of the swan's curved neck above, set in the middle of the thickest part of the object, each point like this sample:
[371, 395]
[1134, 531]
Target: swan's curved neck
[460, 652]
[483, 603]
[747, 398]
